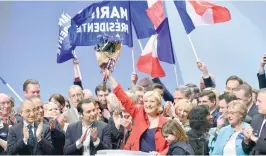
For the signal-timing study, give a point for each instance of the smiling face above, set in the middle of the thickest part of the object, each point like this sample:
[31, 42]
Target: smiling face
[236, 112]
[28, 111]
[152, 102]
[5, 104]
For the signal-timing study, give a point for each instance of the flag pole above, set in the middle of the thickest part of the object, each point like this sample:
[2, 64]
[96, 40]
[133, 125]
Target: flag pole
[140, 45]
[74, 53]
[193, 48]
[14, 92]
[176, 78]
[133, 60]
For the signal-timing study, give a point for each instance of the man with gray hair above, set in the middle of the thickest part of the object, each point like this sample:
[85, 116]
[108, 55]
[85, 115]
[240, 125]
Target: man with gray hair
[182, 92]
[76, 95]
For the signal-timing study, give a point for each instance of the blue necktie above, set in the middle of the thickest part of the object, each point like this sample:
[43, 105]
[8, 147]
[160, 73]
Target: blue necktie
[31, 136]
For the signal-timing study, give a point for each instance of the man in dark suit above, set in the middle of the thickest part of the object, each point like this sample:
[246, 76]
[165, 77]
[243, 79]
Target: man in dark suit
[244, 95]
[255, 137]
[29, 137]
[88, 135]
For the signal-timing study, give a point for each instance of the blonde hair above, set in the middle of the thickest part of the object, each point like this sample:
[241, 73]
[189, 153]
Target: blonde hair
[241, 108]
[154, 94]
[113, 102]
[184, 102]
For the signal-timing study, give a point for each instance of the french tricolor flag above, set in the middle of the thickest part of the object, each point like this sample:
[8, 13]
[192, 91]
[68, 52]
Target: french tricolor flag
[159, 46]
[196, 13]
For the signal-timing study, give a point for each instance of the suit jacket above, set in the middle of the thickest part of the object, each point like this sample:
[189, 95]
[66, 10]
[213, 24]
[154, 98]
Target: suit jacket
[74, 132]
[262, 80]
[142, 124]
[253, 111]
[258, 148]
[208, 82]
[16, 145]
[167, 96]
[3, 136]
[117, 135]
[57, 135]
[71, 115]
[198, 142]
[215, 115]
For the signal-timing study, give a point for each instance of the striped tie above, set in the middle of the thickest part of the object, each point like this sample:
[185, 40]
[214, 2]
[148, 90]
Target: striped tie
[31, 136]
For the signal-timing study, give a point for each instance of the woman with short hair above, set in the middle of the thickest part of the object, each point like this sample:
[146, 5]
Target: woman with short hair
[229, 139]
[182, 110]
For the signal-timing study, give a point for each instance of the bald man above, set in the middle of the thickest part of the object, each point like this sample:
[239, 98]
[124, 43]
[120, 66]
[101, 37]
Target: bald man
[29, 137]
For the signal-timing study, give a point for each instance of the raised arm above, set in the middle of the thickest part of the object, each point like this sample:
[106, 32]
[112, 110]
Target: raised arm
[206, 76]
[167, 96]
[127, 102]
[77, 80]
[261, 74]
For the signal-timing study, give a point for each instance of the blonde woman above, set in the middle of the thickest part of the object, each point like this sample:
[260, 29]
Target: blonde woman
[182, 110]
[146, 134]
[229, 139]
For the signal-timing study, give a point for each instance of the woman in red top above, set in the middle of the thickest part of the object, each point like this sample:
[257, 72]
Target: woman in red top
[146, 134]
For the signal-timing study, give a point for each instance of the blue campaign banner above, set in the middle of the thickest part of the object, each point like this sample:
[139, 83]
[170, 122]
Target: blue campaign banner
[64, 50]
[103, 19]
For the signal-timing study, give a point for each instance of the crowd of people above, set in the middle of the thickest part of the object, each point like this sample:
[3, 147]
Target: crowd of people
[194, 120]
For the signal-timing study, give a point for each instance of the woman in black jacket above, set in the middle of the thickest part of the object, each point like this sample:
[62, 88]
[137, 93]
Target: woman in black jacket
[199, 121]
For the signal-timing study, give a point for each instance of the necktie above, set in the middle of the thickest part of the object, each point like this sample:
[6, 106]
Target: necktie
[31, 137]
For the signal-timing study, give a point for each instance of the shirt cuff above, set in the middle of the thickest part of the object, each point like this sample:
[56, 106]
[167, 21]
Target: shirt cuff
[97, 142]
[77, 79]
[78, 144]
[25, 142]
[262, 73]
[206, 76]
[38, 140]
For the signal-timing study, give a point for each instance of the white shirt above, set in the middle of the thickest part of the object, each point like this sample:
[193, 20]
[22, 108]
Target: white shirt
[264, 121]
[230, 146]
[26, 125]
[87, 140]
[76, 113]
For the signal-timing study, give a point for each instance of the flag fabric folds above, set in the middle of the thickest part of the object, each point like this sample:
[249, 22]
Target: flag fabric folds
[198, 13]
[141, 22]
[103, 19]
[156, 13]
[65, 49]
[158, 48]
[3, 81]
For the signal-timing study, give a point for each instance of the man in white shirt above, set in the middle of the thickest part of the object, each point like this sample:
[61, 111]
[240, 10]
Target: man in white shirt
[88, 135]
[29, 137]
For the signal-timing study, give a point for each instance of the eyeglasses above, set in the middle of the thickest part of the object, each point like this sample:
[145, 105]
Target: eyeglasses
[27, 111]
[233, 113]
[5, 102]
